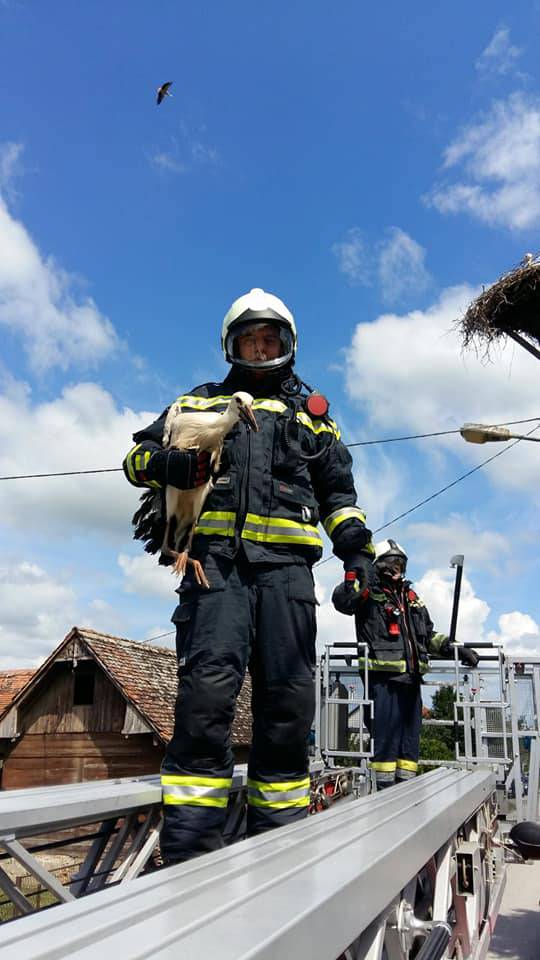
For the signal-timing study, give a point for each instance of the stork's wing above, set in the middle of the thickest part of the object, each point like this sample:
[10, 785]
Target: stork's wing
[149, 523]
[184, 430]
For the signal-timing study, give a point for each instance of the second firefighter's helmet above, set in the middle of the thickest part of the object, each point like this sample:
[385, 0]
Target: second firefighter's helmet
[251, 310]
[390, 557]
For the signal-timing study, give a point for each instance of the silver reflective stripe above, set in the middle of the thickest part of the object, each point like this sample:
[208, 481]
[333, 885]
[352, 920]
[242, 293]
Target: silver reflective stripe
[271, 796]
[402, 774]
[177, 790]
[385, 776]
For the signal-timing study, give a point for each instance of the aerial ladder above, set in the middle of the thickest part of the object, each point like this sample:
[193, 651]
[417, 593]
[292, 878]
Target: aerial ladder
[418, 870]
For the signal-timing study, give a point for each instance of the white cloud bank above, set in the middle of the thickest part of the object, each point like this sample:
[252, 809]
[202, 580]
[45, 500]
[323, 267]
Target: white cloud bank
[38, 304]
[81, 430]
[499, 162]
[417, 379]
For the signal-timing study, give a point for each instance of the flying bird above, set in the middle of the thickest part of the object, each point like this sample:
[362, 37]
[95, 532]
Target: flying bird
[163, 91]
[204, 431]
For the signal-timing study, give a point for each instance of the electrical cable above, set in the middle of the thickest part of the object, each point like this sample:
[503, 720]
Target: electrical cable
[442, 490]
[360, 443]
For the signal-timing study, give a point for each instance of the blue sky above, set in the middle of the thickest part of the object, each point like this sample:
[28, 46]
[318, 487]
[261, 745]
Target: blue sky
[372, 166]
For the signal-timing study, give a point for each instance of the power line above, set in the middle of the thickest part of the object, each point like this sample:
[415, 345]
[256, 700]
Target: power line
[443, 489]
[360, 443]
[159, 636]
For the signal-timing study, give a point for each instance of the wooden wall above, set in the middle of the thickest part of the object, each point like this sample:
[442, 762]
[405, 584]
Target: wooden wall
[44, 759]
[51, 709]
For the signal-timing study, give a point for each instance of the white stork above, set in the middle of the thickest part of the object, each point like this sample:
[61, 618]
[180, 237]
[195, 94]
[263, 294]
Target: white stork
[203, 431]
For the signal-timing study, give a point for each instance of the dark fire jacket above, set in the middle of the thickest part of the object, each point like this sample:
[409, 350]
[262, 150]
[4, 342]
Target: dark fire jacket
[268, 497]
[397, 628]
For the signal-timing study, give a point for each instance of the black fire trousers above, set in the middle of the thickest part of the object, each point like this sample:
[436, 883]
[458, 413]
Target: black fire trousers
[256, 616]
[396, 727]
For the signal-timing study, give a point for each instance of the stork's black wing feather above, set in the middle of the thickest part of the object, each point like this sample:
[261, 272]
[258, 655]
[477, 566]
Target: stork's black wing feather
[149, 523]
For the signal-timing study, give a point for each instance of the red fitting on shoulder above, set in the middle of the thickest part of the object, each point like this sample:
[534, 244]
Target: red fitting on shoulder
[393, 629]
[317, 405]
[350, 576]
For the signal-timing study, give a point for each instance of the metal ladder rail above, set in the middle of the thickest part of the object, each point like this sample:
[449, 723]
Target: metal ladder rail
[310, 889]
[127, 812]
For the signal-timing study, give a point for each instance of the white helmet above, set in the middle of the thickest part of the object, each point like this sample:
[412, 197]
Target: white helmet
[386, 550]
[253, 308]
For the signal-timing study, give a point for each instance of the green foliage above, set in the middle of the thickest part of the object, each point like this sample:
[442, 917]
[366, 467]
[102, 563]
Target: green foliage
[437, 743]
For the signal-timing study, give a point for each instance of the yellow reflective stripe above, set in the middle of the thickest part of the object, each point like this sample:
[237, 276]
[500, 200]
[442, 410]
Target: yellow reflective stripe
[279, 787]
[275, 521]
[318, 426]
[277, 804]
[407, 765]
[195, 791]
[274, 406]
[184, 780]
[201, 403]
[170, 799]
[188, 402]
[398, 666]
[129, 462]
[279, 530]
[338, 516]
[216, 522]
[383, 767]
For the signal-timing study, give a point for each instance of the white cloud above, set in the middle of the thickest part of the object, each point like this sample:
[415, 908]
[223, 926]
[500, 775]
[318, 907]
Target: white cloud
[80, 430]
[417, 379]
[397, 261]
[484, 550]
[353, 258]
[145, 577]
[10, 154]
[436, 588]
[401, 266]
[38, 304]
[37, 612]
[500, 56]
[519, 633]
[499, 159]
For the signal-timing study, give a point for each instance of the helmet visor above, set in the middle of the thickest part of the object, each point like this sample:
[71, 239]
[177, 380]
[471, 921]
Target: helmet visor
[264, 345]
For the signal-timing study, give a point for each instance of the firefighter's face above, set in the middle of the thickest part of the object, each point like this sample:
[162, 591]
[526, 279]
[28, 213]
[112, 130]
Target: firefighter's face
[394, 567]
[259, 343]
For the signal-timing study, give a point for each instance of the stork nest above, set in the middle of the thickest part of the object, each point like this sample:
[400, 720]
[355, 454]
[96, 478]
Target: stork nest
[509, 308]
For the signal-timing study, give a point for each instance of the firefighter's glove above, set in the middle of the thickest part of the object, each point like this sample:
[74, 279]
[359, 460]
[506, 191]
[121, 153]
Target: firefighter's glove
[466, 656]
[347, 597]
[184, 469]
[362, 567]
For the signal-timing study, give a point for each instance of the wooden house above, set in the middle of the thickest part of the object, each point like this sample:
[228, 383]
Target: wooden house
[99, 707]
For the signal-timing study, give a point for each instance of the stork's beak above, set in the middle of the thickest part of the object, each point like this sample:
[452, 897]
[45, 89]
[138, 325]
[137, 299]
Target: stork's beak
[247, 415]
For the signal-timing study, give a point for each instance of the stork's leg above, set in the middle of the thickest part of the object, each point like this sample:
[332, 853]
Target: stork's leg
[200, 575]
[184, 559]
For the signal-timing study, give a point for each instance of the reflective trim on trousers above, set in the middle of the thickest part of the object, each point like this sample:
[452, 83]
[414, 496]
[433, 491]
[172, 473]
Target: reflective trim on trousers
[279, 795]
[198, 791]
[406, 769]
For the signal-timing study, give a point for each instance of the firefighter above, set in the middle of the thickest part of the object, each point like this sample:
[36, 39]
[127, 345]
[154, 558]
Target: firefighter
[257, 538]
[394, 623]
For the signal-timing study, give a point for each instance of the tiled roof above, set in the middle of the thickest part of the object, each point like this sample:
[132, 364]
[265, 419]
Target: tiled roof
[147, 677]
[11, 681]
